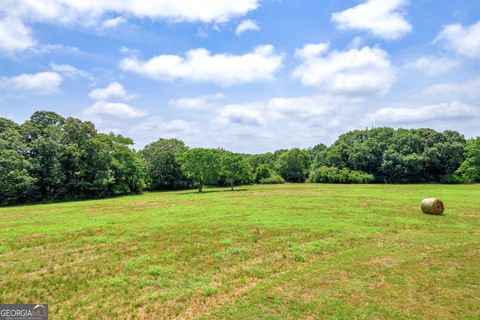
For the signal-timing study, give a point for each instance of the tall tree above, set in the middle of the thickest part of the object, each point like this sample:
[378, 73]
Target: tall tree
[201, 165]
[470, 168]
[161, 164]
[234, 168]
[294, 165]
[44, 137]
[16, 183]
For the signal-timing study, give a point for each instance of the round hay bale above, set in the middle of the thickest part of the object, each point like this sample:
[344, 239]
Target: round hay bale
[432, 206]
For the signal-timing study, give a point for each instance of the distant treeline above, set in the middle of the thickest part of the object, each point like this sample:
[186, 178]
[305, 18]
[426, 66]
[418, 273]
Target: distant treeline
[50, 158]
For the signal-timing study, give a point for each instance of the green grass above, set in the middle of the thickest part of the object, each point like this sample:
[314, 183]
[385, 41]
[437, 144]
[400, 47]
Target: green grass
[262, 252]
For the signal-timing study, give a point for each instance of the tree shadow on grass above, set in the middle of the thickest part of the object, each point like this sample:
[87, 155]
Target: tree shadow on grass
[192, 192]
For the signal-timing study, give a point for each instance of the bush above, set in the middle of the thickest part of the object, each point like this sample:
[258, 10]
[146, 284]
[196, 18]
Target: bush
[274, 179]
[452, 179]
[263, 172]
[334, 175]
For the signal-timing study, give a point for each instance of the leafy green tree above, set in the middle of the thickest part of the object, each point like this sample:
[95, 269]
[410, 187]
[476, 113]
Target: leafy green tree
[44, 137]
[263, 172]
[201, 165]
[127, 168]
[335, 175]
[470, 168]
[417, 155]
[83, 161]
[293, 165]
[52, 158]
[234, 168]
[265, 159]
[161, 164]
[16, 183]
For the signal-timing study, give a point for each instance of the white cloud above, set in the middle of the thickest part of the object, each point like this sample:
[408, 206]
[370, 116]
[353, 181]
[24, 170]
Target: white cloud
[307, 107]
[72, 11]
[114, 22]
[197, 103]
[247, 25]
[277, 109]
[15, 36]
[382, 18]
[432, 66]
[437, 112]
[71, 71]
[199, 65]
[113, 91]
[355, 73]
[241, 114]
[463, 40]
[356, 43]
[449, 90]
[164, 128]
[102, 109]
[19, 14]
[42, 83]
[280, 122]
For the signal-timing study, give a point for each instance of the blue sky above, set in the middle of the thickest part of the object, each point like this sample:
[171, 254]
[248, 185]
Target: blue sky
[246, 75]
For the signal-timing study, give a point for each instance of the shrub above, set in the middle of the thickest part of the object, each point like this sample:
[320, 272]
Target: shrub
[452, 179]
[334, 175]
[263, 172]
[274, 179]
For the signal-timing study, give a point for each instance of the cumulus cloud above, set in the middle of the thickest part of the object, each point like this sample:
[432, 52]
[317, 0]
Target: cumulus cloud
[113, 91]
[356, 72]
[464, 40]
[461, 90]
[15, 36]
[279, 122]
[241, 114]
[196, 103]
[71, 11]
[437, 112]
[247, 25]
[71, 71]
[381, 18]
[277, 109]
[114, 22]
[433, 66]
[102, 109]
[199, 65]
[19, 14]
[42, 83]
[165, 128]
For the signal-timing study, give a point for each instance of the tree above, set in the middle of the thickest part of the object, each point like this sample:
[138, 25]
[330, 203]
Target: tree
[470, 168]
[16, 183]
[84, 162]
[234, 168]
[201, 165]
[52, 158]
[293, 165]
[161, 164]
[263, 172]
[396, 156]
[43, 135]
[336, 175]
[126, 166]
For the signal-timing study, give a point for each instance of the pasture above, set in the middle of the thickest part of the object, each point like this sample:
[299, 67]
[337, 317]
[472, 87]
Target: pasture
[289, 251]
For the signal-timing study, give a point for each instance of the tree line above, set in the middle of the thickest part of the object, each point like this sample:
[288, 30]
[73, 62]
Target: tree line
[50, 158]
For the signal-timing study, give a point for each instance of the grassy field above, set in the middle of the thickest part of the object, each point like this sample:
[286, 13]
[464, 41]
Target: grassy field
[262, 252]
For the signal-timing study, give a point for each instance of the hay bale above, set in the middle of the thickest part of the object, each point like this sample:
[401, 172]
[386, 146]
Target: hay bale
[432, 206]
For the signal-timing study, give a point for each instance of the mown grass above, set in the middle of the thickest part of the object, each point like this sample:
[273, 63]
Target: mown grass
[262, 252]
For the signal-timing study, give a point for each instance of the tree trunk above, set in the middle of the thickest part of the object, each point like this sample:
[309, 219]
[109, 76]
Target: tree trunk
[231, 184]
[200, 187]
